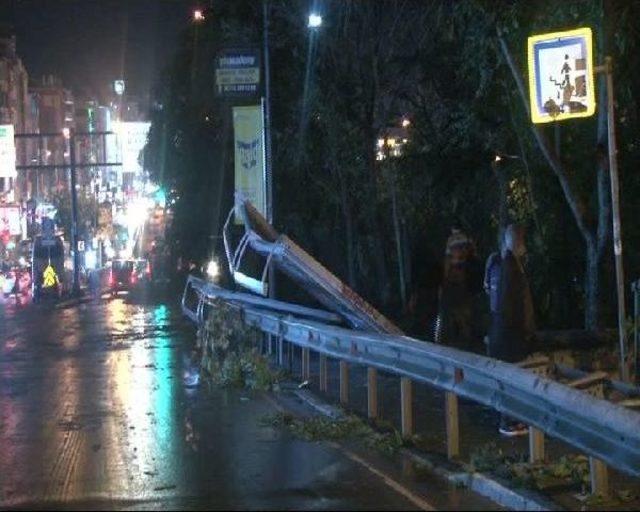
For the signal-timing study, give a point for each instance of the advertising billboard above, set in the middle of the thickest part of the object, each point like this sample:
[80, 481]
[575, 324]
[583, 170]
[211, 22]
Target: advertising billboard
[133, 137]
[7, 152]
[248, 129]
[10, 220]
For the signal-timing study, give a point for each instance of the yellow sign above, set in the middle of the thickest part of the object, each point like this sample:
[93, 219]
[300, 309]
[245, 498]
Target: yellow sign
[561, 82]
[248, 129]
[49, 277]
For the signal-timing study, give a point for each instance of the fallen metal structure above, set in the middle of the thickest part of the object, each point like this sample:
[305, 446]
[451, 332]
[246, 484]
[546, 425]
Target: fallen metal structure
[279, 250]
[573, 411]
[590, 412]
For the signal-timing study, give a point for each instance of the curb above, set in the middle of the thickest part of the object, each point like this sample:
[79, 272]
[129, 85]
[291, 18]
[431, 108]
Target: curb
[479, 483]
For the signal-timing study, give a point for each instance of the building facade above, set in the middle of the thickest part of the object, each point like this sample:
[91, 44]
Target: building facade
[17, 109]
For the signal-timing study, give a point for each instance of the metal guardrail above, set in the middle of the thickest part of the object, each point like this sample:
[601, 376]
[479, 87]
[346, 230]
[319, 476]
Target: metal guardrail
[210, 291]
[609, 433]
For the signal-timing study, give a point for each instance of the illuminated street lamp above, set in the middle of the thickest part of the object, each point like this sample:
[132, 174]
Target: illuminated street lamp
[315, 20]
[198, 15]
[66, 133]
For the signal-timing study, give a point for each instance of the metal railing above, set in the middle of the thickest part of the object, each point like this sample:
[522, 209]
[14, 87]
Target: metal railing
[573, 412]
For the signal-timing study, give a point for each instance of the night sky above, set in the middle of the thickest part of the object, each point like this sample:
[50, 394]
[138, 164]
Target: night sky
[89, 43]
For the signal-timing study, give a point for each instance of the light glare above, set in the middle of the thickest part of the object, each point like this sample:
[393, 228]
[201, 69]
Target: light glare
[315, 20]
[213, 269]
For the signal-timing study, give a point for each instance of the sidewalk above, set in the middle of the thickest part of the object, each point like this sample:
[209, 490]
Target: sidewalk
[563, 479]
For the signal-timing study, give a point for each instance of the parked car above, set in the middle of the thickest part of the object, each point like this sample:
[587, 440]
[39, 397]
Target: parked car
[122, 276]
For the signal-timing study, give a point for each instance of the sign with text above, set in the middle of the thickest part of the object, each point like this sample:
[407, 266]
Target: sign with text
[133, 137]
[561, 76]
[7, 152]
[248, 129]
[238, 72]
[10, 220]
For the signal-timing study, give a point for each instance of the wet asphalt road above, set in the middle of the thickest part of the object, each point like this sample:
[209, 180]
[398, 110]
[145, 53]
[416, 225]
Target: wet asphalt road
[100, 407]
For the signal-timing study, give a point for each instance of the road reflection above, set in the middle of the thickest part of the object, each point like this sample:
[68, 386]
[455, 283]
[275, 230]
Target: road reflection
[144, 390]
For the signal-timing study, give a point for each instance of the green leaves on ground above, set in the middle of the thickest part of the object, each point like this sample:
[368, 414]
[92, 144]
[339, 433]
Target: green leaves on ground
[352, 428]
[568, 470]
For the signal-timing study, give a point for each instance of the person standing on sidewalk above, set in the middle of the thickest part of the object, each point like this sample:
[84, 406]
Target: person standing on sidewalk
[455, 299]
[513, 326]
[491, 284]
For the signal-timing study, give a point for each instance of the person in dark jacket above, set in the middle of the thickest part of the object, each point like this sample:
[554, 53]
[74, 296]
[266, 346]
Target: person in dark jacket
[462, 284]
[513, 326]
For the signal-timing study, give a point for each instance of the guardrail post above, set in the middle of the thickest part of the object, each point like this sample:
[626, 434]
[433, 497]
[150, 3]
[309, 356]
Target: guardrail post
[406, 406]
[323, 373]
[280, 350]
[372, 393]
[306, 370]
[599, 477]
[344, 383]
[536, 445]
[452, 424]
[289, 357]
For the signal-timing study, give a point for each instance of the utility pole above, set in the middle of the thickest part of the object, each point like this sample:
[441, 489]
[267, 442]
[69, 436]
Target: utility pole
[74, 213]
[625, 357]
[267, 134]
[267, 111]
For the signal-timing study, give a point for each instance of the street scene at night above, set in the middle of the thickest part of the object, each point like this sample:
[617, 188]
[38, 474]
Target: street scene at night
[319, 255]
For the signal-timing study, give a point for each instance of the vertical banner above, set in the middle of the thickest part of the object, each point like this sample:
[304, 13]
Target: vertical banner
[248, 129]
[7, 152]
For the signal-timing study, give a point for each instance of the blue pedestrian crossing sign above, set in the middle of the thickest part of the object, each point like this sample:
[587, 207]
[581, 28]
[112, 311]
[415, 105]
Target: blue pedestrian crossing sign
[561, 83]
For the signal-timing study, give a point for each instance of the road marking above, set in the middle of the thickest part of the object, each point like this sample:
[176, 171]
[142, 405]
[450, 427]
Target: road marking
[388, 480]
[419, 502]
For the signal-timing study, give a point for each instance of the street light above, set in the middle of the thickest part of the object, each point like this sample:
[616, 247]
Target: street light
[315, 20]
[198, 19]
[198, 15]
[66, 133]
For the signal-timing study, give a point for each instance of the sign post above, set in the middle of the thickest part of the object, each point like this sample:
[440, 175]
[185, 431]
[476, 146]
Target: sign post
[561, 86]
[625, 359]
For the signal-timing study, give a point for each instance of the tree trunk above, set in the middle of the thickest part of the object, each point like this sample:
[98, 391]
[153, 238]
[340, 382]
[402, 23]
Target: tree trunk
[348, 224]
[592, 299]
[503, 213]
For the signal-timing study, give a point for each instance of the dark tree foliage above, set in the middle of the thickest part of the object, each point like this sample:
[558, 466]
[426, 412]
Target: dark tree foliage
[454, 69]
